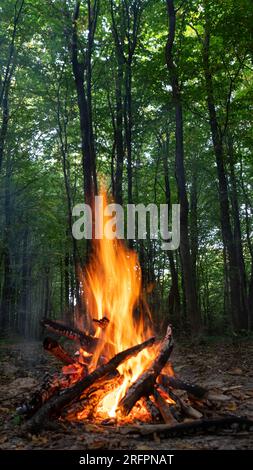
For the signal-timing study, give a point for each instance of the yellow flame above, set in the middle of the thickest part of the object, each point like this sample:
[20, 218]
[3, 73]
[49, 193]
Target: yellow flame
[112, 288]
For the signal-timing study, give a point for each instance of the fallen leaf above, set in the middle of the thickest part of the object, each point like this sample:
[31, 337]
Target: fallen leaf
[231, 406]
[236, 371]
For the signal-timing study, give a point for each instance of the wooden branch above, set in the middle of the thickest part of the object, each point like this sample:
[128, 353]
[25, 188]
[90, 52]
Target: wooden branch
[57, 403]
[152, 409]
[145, 383]
[54, 348]
[188, 410]
[186, 429]
[178, 384]
[164, 408]
[47, 389]
[89, 343]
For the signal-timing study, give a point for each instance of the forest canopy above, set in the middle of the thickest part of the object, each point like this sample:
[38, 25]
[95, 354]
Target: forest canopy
[155, 97]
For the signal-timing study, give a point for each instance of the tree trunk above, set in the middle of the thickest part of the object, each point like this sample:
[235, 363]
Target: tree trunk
[119, 143]
[239, 315]
[189, 286]
[84, 105]
[174, 295]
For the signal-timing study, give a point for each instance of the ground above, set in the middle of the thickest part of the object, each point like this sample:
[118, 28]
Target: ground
[222, 366]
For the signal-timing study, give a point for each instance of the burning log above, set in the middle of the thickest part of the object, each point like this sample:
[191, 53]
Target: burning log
[55, 404]
[89, 343]
[164, 408]
[145, 383]
[152, 409]
[54, 348]
[48, 388]
[86, 407]
[178, 384]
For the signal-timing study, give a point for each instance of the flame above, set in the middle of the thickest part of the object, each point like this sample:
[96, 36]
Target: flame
[112, 289]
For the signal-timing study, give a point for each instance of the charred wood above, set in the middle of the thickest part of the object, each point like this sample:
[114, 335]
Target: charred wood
[145, 383]
[101, 323]
[58, 402]
[178, 384]
[164, 408]
[89, 343]
[54, 348]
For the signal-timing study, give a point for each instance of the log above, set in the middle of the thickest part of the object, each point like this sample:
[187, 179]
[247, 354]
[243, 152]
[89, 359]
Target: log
[56, 403]
[48, 388]
[152, 409]
[53, 347]
[88, 342]
[145, 383]
[193, 427]
[164, 408]
[178, 384]
[87, 405]
[188, 410]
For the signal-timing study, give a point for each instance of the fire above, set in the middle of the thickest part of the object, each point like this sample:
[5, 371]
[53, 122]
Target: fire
[112, 290]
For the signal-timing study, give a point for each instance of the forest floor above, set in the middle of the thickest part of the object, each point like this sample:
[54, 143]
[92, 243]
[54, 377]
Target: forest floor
[220, 366]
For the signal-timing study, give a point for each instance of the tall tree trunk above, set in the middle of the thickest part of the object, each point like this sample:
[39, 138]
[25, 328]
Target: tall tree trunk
[4, 127]
[22, 320]
[128, 130]
[189, 286]
[239, 315]
[174, 295]
[194, 225]
[63, 138]
[242, 288]
[80, 70]
[7, 291]
[119, 141]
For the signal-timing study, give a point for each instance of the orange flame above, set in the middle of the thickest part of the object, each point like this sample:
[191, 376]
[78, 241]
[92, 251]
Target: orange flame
[112, 289]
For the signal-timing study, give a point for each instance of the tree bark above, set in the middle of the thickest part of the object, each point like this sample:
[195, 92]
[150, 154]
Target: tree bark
[188, 277]
[239, 315]
[174, 295]
[82, 70]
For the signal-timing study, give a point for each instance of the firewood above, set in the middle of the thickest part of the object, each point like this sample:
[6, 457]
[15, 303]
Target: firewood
[49, 387]
[54, 348]
[188, 410]
[86, 406]
[152, 409]
[58, 402]
[178, 384]
[164, 408]
[193, 427]
[145, 383]
[89, 343]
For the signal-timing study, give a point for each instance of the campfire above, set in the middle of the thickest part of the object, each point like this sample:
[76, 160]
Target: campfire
[121, 373]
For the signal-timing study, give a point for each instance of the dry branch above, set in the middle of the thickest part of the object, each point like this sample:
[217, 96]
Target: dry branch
[89, 343]
[193, 427]
[178, 384]
[58, 402]
[164, 408]
[188, 410]
[54, 348]
[145, 383]
[152, 409]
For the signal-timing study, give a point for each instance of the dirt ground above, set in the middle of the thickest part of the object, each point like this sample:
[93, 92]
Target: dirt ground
[222, 367]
